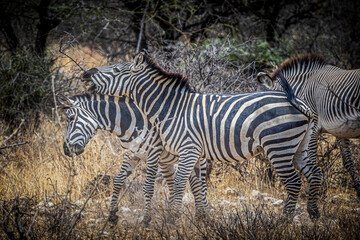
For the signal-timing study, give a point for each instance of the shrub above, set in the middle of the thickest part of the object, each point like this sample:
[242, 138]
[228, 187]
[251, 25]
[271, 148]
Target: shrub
[26, 84]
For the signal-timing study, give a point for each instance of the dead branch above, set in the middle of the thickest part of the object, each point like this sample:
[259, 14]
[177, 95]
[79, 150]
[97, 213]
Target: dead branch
[61, 48]
[13, 134]
[178, 30]
[12, 183]
[14, 145]
[142, 27]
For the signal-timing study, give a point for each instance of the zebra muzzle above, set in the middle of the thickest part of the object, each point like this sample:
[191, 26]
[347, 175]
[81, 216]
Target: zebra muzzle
[88, 74]
[75, 149]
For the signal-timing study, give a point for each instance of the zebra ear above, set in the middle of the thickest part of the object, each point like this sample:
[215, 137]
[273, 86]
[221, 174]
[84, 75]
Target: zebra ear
[265, 80]
[65, 102]
[138, 59]
[138, 63]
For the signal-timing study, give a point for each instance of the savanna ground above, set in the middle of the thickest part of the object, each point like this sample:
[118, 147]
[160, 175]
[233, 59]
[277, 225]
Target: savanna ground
[45, 195]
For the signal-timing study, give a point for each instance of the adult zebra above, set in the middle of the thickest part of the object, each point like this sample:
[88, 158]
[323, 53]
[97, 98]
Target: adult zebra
[88, 112]
[226, 127]
[333, 95]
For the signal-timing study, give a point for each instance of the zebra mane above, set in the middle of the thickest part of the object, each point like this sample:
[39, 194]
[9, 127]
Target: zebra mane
[176, 77]
[299, 64]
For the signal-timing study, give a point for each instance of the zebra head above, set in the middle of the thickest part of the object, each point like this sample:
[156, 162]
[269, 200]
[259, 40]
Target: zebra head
[118, 79]
[81, 126]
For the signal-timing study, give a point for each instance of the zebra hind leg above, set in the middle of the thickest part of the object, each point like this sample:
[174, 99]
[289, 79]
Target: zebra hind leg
[291, 179]
[314, 176]
[349, 164]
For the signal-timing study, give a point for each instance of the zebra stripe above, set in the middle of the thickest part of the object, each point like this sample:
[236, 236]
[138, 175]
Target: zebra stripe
[334, 96]
[87, 113]
[216, 126]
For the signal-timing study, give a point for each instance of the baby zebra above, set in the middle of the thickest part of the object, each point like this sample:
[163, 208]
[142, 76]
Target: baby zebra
[89, 112]
[226, 127]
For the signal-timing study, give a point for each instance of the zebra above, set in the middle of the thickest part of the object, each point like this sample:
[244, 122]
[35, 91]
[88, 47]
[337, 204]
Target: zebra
[88, 112]
[333, 94]
[225, 127]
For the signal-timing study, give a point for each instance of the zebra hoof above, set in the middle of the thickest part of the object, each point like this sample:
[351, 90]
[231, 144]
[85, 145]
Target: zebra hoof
[288, 214]
[146, 221]
[313, 212]
[113, 219]
[201, 216]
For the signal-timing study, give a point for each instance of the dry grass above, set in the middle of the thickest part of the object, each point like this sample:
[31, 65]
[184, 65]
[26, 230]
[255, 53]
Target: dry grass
[48, 200]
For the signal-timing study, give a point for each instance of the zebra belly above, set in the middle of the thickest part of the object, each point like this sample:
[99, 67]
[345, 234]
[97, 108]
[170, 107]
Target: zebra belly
[347, 128]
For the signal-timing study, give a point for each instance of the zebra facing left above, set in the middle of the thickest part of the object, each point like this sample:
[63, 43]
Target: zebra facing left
[89, 112]
[225, 127]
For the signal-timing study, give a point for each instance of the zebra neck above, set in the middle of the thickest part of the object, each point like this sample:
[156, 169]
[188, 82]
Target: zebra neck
[121, 117]
[155, 97]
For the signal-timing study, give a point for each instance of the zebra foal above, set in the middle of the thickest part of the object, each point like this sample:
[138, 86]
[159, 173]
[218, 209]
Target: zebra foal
[89, 112]
[225, 127]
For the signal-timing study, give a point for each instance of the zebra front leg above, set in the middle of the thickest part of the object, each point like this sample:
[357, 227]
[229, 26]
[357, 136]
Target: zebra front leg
[166, 164]
[125, 171]
[188, 156]
[348, 163]
[148, 189]
[203, 171]
[197, 188]
[197, 191]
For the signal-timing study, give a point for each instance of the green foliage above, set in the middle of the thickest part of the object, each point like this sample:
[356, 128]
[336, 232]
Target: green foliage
[26, 82]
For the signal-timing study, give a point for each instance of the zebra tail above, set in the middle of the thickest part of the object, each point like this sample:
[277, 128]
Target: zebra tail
[292, 98]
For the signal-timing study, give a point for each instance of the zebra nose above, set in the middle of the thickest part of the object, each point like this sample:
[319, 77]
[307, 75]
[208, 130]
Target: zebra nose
[66, 149]
[78, 149]
[87, 75]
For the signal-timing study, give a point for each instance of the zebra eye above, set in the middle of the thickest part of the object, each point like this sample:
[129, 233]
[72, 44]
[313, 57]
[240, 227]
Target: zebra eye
[71, 118]
[116, 70]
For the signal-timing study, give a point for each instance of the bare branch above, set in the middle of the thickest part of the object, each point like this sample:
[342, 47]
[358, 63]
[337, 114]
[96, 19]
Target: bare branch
[142, 27]
[61, 50]
[14, 145]
[13, 134]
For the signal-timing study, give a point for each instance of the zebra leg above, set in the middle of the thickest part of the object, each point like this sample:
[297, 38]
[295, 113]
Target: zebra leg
[348, 163]
[125, 171]
[188, 156]
[197, 189]
[305, 160]
[284, 167]
[203, 171]
[167, 169]
[314, 176]
[151, 171]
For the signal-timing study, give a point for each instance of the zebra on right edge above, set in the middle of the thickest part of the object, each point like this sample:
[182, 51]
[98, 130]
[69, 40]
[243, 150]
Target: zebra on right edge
[332, 93]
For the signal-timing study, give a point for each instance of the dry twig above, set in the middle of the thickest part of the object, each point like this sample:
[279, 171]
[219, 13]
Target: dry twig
[61, 50]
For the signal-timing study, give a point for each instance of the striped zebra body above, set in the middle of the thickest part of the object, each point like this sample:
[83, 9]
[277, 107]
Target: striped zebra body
[216, 126]
[87, 113]
[332, 93]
